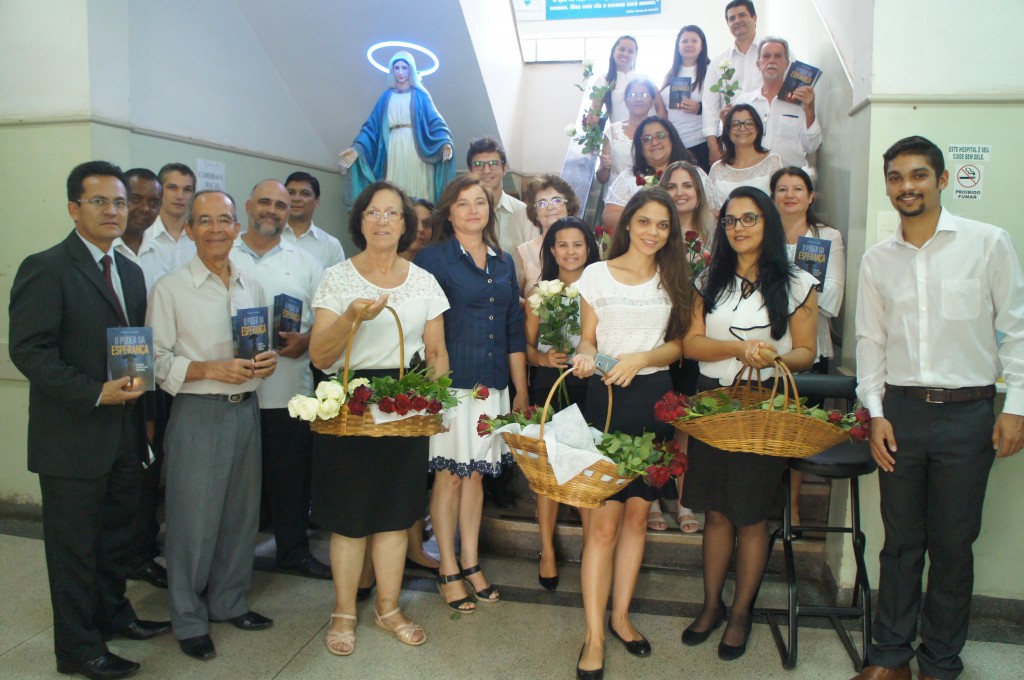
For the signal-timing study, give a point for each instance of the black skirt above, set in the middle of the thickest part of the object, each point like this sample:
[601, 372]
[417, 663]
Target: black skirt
[632, 414]
[745, 487]
[541, 380]
[367, 485]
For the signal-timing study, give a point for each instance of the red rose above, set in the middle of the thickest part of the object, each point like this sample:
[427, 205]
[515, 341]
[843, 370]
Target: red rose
[434, 407]
[859, 432]
[419, 403]
[657, 173]
[599, 231]
[483, 428]
[707, 257]
[386, 405]
[835, 417]
[664, 412]
[362, 393]
[402, 404]
[862, 415]
[640, 181]
[697, 245]
[356, 408]
[481, 392]
[658, 476]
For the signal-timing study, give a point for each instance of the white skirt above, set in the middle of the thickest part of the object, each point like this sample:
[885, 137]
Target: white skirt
[460, 450]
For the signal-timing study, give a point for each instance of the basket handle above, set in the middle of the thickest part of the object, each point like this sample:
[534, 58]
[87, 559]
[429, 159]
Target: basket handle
[551, 393]
[784, 375]
[352, 335]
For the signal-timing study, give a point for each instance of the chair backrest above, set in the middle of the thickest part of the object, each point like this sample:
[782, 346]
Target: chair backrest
[818, 386]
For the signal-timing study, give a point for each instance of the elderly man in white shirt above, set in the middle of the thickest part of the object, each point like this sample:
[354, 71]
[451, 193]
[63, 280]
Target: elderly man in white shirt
[791, 128]
[742, 56]
[304, 190]
[931, 304]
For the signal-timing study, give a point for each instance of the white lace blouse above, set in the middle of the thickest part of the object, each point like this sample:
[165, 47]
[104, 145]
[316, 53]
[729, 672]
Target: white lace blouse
[724, 178]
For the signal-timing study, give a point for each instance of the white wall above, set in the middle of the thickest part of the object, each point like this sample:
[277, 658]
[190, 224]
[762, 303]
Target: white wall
[850, 26]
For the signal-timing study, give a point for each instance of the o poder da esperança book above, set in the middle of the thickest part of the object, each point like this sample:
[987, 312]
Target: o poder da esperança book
[287, 317]
[250, 332]
[130, 354]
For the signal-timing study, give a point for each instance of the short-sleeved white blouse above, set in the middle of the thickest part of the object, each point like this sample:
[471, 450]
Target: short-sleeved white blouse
[376, 345]
[724, 178]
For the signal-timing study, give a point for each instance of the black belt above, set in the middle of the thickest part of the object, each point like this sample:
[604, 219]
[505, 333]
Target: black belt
[943, 395]
[232, 398]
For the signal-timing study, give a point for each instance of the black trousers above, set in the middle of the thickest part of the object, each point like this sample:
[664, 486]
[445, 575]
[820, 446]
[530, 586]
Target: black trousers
[287, 458]
[147, 529]
[87, 537]
[931, 503]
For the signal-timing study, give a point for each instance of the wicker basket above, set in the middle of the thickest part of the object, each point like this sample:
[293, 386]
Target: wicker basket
[766, 432]
[588, 489]
[347, 425]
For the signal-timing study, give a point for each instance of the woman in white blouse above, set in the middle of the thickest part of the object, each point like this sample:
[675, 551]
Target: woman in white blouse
[617, 151]
[750, 298]
[621, 70]
[689, 61]
[744, 163]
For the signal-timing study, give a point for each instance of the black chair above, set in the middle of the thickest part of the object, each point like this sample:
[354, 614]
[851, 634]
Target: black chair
[846, 461]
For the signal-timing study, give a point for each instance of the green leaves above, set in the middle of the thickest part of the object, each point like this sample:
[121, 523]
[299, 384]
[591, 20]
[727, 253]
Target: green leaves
[632, 455]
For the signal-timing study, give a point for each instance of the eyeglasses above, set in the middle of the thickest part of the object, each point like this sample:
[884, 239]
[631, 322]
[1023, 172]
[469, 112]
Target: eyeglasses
[742, 124]
[154, 203]
[660, 136]
[388, 216]
[221, 221]
[746, 219]
[490, 164]
[101, 203]
[554, 202]
[639, 94]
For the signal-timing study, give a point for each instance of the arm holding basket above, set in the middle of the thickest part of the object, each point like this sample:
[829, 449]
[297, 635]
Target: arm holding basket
[330, 330]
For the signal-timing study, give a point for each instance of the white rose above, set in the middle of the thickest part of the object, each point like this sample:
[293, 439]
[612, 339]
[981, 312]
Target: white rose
[303, 407]
[572, 291]
[725, 65]
[570, 130]
[328, 408]
[535, 300]
[355, 383]
[549, 288]
[588, 63]
[329, 389]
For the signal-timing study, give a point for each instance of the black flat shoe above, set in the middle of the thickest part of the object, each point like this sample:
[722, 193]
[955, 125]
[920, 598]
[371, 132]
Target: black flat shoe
[144, 630]
[309, 567]
[639, 647]
[409, 564]
[198, 647]
[248, 621]
[692, 638]
[731, 653]
[106, 667]
[596, 674]
[150, 572]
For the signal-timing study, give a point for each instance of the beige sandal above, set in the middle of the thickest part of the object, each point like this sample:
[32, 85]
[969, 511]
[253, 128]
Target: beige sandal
[346, 637]
[404, 632]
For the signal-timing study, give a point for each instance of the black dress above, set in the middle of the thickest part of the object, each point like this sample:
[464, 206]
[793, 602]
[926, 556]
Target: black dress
[367, 485]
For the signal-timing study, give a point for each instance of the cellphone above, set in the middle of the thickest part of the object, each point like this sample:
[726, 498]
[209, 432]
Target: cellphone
[604, 362]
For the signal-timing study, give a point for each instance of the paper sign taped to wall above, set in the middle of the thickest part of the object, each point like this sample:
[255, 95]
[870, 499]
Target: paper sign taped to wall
[210, 175]
[966, 180]
[968, 152]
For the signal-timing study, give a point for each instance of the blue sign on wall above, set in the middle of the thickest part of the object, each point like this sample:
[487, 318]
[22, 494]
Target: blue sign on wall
[600, 9]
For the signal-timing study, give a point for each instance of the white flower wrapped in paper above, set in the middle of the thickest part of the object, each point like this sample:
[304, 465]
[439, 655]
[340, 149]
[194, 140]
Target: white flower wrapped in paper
[329, 389]
[303, 407]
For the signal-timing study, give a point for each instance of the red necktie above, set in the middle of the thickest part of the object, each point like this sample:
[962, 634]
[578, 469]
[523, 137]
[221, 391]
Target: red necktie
[113, 291]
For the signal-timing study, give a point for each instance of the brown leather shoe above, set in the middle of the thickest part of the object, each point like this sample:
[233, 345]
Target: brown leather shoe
[883, 673]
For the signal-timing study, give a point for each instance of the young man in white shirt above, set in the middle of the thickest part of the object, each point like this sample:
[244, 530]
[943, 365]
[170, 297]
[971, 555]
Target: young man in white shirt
[304, 190]
[931, 301]
[165, 246]
[486, 161]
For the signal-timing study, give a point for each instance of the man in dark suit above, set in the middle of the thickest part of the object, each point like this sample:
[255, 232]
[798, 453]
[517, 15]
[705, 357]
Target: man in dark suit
[86, 433]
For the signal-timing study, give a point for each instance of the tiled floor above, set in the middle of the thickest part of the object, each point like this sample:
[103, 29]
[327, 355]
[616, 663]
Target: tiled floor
[532, 634]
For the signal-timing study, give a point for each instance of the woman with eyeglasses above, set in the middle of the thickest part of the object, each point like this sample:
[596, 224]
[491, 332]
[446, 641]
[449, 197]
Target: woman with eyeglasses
[486, 347]
[621, 70]
[750, 298]
[793, 194]
[690, 60]
[405, 140]
[568, 247]
[655, 144]
[424, 228]
[617, 150]
[372, 489]
[744, 163]
[549, 198]
[635, 307]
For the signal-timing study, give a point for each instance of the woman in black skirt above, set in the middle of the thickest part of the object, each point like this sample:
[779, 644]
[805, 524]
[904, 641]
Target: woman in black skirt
[750, 297]
[567, 248]
[635, 308]
[365, 487]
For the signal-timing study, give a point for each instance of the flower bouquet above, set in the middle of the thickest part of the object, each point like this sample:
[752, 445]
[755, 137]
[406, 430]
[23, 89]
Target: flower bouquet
[645, 181]
[725, 86]
[695, 253]
[590, 133]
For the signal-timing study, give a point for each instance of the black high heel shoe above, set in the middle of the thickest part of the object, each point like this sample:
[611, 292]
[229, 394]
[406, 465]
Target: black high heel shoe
[692, 638]
[548, 582]
[730, 652]
[596, 674]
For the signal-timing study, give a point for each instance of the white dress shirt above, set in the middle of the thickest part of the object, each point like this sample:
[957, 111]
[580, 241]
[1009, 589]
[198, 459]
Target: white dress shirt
[289, 270]
[513, 226]
[190, 312]
[324, 248]
[747, 75]
[160, 254]
[929, 316]
[785, 127]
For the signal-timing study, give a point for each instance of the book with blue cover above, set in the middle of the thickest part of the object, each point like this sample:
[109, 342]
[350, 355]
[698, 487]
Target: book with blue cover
[130, 353]
[812, 257]
[800, 74]
[679, 91]
[250, 332]
[287, 317]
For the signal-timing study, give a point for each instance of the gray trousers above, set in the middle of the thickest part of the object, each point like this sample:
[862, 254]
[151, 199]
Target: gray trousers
[213, 501]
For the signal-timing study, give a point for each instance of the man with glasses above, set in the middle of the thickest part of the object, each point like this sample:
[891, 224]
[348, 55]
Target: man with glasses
[304, 190]
[287, 443]
[791, 128]
[486, 161]
[213, 437]
[164, 246]
[86, 435]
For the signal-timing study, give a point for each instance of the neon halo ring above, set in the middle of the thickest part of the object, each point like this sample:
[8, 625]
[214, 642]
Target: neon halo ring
[411, 46]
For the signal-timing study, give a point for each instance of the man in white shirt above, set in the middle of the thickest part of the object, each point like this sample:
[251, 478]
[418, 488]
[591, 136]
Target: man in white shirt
[283, 268]
[304, 191]
[164, 245]
[791, 127]
[742, 56]
[486, 161]
[145, 198]
[931, 304]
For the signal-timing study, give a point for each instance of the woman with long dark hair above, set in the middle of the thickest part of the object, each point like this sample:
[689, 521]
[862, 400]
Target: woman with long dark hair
[744, 163]
[750, 298]
[621, 70]
[690, 60]
[568, 247]
[635, 307]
